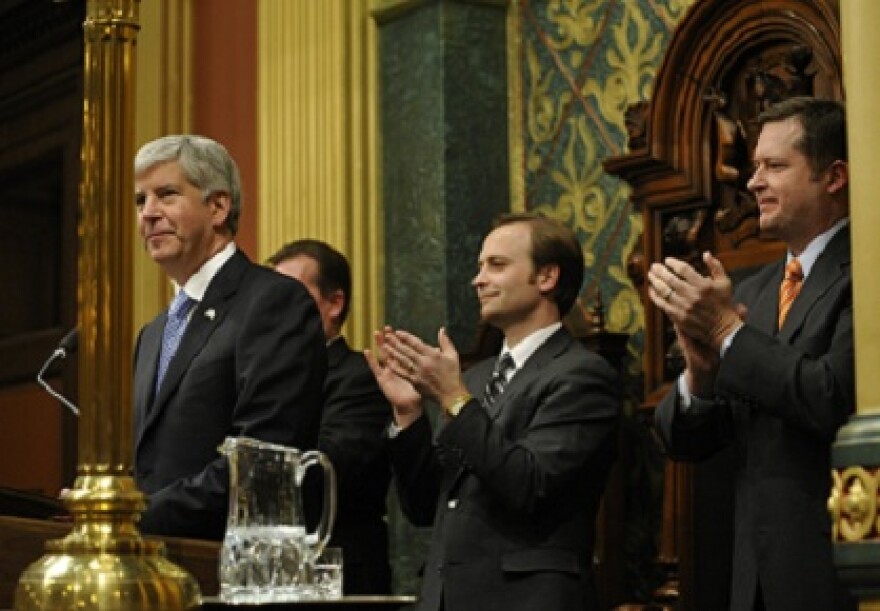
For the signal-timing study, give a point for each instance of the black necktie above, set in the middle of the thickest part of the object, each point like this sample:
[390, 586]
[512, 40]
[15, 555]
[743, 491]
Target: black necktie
[495, 385]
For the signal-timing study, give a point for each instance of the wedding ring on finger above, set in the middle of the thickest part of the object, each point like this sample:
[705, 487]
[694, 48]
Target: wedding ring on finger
[669, 293]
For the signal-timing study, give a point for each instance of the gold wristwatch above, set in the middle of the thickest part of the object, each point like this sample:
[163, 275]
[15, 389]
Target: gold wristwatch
[457, 404]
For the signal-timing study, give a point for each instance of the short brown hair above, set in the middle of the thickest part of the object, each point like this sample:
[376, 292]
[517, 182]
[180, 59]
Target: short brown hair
[824, 125]
[553, 244]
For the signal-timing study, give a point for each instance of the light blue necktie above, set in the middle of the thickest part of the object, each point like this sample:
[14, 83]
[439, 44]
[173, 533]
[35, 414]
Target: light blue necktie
[174, 328]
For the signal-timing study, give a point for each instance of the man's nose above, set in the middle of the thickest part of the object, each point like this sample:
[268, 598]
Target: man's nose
[756, 182]
[149, 208]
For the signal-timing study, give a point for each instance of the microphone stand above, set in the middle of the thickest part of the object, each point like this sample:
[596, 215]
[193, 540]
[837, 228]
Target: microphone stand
[59, 354]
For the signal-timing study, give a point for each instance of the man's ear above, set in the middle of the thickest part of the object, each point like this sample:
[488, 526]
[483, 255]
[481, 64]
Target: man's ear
[337, 303]
[838, 177]
[547, 278]
[221, 206]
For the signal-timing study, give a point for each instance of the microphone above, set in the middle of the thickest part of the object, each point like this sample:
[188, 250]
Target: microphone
[69, 343]
[66, 346]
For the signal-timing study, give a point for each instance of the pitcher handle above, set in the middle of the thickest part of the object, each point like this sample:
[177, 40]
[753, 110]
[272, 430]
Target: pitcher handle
[318, 539]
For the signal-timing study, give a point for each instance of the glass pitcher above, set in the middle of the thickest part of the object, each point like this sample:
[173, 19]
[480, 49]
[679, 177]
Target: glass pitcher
[266, 546]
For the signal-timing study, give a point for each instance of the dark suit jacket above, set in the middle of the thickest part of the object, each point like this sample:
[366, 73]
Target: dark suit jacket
[780, 398]
[353, 426]
[513, 494]
[251, 363]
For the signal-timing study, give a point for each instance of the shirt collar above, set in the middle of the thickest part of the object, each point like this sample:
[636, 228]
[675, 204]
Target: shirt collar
[527, 346]
[198, 283]
[817, 246]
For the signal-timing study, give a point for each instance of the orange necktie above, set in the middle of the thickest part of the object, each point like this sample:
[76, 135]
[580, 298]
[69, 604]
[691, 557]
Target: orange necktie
[790, 287]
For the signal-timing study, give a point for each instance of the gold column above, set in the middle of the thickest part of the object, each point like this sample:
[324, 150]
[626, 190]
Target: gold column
[317, 139]
[861, 48]
[104, 563]
[856, 453]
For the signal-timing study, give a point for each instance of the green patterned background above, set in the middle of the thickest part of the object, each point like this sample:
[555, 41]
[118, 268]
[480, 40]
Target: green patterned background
[581, 64]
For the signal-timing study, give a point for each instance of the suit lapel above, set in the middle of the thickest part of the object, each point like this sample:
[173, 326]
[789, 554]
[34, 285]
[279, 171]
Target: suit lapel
[480, 374]
[145, 374]
[763, 313]
[206, 317]
[828, 271]
[532, 368]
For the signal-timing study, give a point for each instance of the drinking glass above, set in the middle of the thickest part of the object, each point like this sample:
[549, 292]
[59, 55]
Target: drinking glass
[327, 573]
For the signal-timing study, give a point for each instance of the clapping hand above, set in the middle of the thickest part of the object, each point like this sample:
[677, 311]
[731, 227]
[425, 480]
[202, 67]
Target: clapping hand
[400, 392]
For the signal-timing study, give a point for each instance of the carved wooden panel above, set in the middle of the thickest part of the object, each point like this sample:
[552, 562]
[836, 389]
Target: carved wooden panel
[689, 147]
[40, 125]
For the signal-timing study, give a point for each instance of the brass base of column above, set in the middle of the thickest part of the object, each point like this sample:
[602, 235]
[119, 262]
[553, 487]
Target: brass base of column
[104, 563]
[853, 504]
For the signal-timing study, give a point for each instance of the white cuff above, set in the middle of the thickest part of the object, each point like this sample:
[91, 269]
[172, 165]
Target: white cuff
[691, 404]
[725, 343]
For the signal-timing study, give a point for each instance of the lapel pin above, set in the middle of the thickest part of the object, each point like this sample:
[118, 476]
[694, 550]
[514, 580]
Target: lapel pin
[210, 313]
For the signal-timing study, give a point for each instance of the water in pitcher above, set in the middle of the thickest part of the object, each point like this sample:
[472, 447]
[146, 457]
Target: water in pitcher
[262, 564]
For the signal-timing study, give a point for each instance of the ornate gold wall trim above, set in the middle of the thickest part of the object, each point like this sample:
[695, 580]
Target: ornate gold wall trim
[515, 109]
[316, 142]
[853, 504]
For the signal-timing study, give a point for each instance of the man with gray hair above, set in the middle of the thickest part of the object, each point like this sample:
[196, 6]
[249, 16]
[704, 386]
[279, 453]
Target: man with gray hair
[239, 352]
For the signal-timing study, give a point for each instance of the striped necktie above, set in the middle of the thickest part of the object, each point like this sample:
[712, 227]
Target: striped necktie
[495, 385]
[790, 287]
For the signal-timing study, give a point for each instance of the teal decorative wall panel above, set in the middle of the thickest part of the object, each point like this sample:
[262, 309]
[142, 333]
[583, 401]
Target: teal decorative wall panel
[445, 160]
[445, 175]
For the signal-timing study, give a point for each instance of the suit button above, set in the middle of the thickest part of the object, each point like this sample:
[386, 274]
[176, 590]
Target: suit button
[452, 504]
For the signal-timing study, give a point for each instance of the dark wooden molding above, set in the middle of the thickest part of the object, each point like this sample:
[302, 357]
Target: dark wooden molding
[29, 28]
[41, 106]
